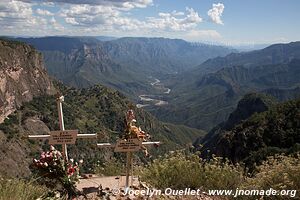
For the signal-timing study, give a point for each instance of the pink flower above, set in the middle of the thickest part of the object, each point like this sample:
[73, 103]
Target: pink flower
[71, 170]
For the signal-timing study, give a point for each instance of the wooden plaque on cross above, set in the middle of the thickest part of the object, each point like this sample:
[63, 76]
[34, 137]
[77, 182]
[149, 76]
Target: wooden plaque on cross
[63, 137]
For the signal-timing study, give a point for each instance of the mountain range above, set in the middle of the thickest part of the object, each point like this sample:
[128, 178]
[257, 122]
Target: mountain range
[201, 95]
[124, 63]
[205, 95]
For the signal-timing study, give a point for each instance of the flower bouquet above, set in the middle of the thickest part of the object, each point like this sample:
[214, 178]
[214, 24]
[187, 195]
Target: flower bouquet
[56, 173]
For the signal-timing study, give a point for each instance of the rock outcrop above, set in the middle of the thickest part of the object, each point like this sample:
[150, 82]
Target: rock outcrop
[22, 76]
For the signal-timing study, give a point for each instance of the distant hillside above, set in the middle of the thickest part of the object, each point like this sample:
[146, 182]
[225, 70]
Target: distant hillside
[274, 54]
[261, 134]
[124, 64]
[161, 56]
[250, 104]
[283, 94]
[83, 61]
[203, 99]
[22, 76]
[105, 38]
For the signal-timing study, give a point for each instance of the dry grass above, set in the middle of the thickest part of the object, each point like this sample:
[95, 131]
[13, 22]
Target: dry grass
[14, 189]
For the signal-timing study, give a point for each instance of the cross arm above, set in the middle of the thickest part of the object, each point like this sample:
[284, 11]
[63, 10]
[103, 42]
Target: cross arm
[38, 137]
[103, 145]
[44, 137]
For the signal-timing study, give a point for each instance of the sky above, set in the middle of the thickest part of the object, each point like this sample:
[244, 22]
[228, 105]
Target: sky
[231, 22]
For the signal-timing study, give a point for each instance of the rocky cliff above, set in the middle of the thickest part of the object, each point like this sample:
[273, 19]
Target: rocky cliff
[22, 76]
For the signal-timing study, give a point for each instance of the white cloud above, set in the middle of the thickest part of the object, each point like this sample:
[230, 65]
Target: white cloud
[197, 35]
[48, 4]
[15, 15]
[136, 4]
[171, 21]
[17, 18]
[71, 21]
[122, 4]
[15, 10]
[216, 12]
[53, 20]
[103, 17]
[57, 26]
[111, 18]
[86, 15]
[175, 13]
[44, 12]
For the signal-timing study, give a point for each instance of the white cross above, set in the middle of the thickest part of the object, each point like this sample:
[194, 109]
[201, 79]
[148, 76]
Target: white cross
[63, 136]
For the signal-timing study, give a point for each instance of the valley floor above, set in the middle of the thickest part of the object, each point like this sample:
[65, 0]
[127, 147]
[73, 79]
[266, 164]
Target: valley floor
[154, 100]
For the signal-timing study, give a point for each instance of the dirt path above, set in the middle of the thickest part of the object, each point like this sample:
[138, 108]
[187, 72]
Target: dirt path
[111, 182]
[112, 187]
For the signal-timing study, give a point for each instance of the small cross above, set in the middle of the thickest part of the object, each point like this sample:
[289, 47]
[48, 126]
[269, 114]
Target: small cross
[135, 141]
[128, 148]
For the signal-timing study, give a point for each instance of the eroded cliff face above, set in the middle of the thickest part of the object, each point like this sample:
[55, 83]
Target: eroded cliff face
[22, 76]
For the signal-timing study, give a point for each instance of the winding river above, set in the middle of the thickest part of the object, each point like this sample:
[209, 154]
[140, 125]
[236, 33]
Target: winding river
[149, 100]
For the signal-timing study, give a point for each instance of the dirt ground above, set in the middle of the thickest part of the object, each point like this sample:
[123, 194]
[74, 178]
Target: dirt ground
[111, 182]
[113, 188]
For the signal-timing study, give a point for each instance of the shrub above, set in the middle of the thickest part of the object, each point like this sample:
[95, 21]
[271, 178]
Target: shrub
[21, 190]
[178, 170]
[110, 168]
[277, 172]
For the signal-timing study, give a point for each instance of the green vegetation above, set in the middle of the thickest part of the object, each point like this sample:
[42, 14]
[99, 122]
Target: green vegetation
[260, 137]
[251, 103]
[14, 189]
[253, 139]
[278, 127]
[181, 170]
[112, 167]
[278, 172]
[178, 170]
[12, 43]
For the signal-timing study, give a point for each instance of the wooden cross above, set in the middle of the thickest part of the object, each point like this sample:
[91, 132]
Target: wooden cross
[127, 146]
[62, 136]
